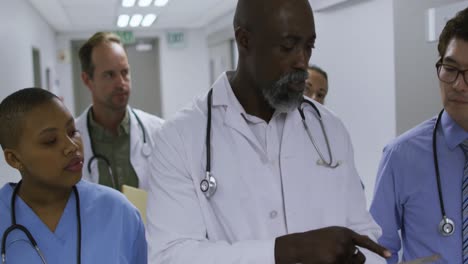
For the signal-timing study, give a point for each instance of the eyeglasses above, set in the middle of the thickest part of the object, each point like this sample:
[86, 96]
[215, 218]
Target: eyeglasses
[449, 74]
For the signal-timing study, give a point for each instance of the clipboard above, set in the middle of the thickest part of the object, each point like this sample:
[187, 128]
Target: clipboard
[138, 198]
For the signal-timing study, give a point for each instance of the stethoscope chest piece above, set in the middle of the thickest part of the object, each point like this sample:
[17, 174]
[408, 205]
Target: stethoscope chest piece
[146, 149]
[446, 227]
[208, 185]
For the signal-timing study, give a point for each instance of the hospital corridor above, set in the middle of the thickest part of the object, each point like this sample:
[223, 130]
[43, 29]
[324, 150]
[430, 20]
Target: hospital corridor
[199, 112]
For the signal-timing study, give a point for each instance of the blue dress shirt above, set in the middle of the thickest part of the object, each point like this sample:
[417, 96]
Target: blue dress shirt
[406, 197]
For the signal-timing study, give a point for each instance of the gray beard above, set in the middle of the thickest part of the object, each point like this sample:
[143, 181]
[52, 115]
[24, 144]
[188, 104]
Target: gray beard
[280, 97]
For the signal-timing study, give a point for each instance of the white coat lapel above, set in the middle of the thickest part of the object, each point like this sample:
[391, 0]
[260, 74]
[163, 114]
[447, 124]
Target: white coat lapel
[293, 127]
[236, 122]
[137, 159]
[232, 117]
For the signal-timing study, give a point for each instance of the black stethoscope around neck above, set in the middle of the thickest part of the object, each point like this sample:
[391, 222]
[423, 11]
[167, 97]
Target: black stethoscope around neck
[15, 226]
[146, 149]
[446, 225]
[209, 184]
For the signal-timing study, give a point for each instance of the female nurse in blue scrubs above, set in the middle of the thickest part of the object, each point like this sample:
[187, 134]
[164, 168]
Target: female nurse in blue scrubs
[51, 215]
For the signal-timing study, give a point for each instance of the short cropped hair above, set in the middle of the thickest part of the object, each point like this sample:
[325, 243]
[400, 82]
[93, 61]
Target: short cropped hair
[86, 51]
[319, 70]
[457, 27]
[14, 108]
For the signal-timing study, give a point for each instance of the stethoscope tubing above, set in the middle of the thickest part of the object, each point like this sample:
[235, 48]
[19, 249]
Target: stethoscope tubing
[446, 225]
[108, 165]
[436, 163]
[140, 123]
[208, 184]
[15, 226]
[322, 160]
[97, 156]
[208, 133]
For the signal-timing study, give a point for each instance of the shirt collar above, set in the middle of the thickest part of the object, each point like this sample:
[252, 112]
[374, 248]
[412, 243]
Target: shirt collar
[101, 133]
[221, 92]
[125, 124]
[453, 133]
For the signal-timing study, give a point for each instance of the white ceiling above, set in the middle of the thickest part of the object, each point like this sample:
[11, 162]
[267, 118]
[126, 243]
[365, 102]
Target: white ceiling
[91, 15]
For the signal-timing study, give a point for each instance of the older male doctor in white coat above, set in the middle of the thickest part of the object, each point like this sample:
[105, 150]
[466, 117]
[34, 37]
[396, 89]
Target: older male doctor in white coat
[273, 203]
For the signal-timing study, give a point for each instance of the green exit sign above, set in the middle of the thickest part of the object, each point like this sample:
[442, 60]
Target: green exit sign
[126, 37]
[176, 39]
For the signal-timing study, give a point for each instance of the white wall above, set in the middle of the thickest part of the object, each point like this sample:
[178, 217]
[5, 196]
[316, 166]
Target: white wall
[355, 46]
[417, 87]
[16, 71]
[184, 71]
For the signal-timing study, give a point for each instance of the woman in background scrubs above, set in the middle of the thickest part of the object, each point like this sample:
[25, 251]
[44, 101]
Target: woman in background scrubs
[39, 138]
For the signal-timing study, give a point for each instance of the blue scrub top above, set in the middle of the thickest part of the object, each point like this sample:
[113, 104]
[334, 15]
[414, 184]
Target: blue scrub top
[406, 197]
[112, 229]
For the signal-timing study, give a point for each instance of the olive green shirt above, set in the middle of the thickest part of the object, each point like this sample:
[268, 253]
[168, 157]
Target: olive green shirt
[117, 150]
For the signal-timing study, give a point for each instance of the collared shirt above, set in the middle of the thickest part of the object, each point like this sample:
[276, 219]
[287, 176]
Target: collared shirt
[117, 150]
[269, 137]
[406, 197]
[268, 134]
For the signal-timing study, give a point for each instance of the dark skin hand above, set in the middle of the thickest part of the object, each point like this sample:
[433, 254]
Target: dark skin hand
[331, 245]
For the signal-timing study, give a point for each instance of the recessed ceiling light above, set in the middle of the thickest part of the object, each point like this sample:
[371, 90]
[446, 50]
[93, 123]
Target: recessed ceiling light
[148, 20]
[144, 3]
[136, 20]
[122, 21]
[128, 3]
[160, 2]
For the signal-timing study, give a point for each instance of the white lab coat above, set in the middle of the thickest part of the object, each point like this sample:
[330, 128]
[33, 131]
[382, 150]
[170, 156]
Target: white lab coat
[240, 222]
[139, 161]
